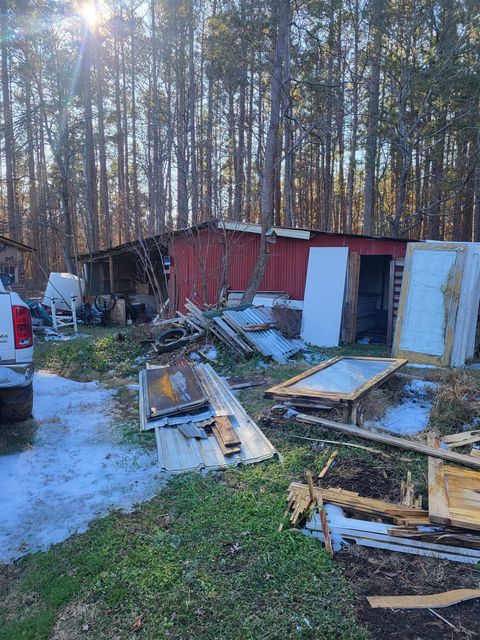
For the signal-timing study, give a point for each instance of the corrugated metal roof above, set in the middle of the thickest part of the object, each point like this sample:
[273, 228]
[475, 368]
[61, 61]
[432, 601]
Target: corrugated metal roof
[178, 453]
[270, 342]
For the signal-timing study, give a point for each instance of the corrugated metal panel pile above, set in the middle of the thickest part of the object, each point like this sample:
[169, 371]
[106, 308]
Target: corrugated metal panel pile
[246, 331]
[206, 427]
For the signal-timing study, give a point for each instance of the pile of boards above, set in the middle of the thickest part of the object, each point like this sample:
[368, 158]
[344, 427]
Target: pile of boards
[448, 529]
[198, 422]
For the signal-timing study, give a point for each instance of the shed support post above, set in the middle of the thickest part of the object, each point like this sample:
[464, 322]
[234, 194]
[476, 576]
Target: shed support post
[110, 273]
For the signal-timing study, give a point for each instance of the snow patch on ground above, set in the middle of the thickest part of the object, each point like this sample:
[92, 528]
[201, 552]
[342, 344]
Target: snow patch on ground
[73, 473]
[411, 415]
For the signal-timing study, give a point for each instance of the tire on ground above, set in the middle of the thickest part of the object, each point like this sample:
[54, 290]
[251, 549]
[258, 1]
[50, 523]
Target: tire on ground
[171, 340]
[16, 404]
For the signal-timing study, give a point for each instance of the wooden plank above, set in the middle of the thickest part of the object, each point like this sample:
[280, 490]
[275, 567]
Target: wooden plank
[227, 451]
[349, 321]
[435, 601]
[461, 439]
[329, 463]
[227, 433]
[401, 443]
[391, 296]
[437, 490]
[370, 506]
[317, 500]
[453, 494]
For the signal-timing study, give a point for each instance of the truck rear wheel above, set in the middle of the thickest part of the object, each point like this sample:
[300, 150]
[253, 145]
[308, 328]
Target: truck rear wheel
[16, 404]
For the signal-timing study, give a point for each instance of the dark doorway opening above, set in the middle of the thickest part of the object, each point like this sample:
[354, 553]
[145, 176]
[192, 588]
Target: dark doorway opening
[373, 299]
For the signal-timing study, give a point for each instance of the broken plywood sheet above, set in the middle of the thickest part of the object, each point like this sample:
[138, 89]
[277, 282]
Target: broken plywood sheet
[324, 295]
[432, 279]
[339, 379]
[453, 495]
[171, 390]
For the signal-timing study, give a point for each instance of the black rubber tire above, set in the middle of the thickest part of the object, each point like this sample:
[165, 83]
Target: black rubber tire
[16, 404]
[102, 308]
[171, 340]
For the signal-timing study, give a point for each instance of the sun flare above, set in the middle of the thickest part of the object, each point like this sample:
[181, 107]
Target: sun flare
[89, 13]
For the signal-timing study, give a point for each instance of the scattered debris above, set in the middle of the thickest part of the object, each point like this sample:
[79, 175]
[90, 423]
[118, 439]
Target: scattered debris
[241, 382]
[402, 443]
[198, 422]
[328, 464]
[246, 330]
[461, 439]
[351, 530]
[435, 601]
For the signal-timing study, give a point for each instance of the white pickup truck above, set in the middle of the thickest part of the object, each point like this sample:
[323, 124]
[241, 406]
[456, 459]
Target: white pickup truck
[16, 358]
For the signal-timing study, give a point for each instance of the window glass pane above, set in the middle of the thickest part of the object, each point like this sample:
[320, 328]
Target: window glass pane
[344, 376]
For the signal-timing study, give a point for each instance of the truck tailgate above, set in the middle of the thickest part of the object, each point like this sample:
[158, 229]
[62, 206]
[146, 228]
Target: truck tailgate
[7, 343]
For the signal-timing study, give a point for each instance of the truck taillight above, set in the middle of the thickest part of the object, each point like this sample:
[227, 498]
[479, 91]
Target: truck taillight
[22, 327]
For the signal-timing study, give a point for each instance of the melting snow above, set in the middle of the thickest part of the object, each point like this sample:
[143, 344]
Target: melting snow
[73, 473]
[411, 415]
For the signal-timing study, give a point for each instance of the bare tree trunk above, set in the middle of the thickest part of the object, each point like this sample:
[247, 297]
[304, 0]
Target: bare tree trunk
[90, 169]
[266, 194]
[8, 126]
[372, 117]
[192, 115]
[102, 154]
[133, 99]
[122, 198]
[352, 164]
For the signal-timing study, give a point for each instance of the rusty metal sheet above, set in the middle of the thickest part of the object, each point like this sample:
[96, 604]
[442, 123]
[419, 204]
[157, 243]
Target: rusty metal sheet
[172, 390]
[270, 342]
[177, 453]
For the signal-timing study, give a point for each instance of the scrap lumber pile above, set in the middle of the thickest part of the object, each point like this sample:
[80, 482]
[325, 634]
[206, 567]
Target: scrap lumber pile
[448, 529]
[198, 422]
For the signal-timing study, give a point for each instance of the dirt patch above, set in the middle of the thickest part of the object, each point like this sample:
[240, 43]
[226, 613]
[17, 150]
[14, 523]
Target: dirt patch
[378, 480]
[77, 620]
[17, 436]
[378, 572]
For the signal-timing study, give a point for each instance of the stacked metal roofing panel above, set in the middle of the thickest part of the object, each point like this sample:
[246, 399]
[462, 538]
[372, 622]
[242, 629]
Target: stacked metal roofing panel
[179, 453]
[269, 342]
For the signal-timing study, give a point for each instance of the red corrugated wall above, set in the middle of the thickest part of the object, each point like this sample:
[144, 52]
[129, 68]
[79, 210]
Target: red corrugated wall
[197, 267]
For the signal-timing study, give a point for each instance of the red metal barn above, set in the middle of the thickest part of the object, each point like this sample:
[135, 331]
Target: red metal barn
[211, 259]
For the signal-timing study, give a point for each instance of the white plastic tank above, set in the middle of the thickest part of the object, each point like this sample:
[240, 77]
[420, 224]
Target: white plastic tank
[60, 287]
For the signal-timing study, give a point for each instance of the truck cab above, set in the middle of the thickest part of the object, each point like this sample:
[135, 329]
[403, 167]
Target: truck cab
[16, 356]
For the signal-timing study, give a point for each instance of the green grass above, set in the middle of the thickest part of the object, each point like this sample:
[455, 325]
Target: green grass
[204, 559]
